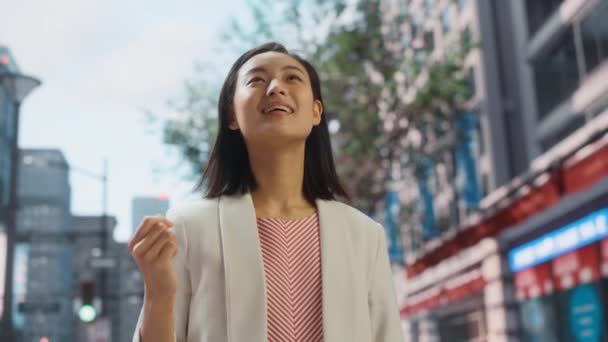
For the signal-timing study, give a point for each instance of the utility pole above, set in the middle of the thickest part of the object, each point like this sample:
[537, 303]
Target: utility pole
[104, 238]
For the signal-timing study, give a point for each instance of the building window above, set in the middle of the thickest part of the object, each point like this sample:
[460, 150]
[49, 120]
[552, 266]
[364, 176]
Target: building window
[420, 56]
[471, 83]
[538, 11]
[466, 39]
[428, 7]
[446, 20]
[461, 4]
[429, 42]
[556, 74]
[594, 35]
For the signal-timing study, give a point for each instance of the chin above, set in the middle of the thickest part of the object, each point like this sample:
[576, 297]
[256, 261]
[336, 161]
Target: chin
[280, 137]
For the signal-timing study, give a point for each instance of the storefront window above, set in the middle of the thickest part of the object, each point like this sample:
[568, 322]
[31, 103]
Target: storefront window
[538, 320]
[594, 34]
[462, 327]
[576, 275]
[582, 309]
[556, 74]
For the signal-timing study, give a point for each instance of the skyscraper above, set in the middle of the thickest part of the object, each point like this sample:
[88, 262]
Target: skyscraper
[43, 221]
[7, 136]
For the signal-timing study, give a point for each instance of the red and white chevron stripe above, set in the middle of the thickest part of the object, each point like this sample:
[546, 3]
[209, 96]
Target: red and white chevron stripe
[291, 252]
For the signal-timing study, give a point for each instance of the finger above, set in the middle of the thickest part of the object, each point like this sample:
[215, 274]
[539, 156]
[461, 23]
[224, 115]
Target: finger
[154, 250]
[142, 230]
[145, 226]
[150, 239]
[168, 251]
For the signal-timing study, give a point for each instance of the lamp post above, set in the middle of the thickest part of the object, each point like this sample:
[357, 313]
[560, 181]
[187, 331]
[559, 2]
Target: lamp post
[17, 87]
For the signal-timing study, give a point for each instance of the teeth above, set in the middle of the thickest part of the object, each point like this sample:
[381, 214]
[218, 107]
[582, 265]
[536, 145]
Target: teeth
[283, 108]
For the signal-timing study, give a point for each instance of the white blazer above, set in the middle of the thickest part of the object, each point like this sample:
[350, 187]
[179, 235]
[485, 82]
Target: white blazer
[221, 285]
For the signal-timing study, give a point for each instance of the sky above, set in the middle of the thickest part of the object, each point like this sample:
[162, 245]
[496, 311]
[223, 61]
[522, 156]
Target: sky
[102, 64]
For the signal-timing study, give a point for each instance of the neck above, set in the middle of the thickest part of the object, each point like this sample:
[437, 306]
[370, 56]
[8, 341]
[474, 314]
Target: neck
[279, 176]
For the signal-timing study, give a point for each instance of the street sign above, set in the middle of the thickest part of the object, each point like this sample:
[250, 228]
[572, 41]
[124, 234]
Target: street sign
[27, 307]
[102, 263]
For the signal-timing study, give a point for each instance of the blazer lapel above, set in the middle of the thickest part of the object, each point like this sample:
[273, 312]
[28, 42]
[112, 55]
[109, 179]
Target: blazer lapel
[336, 272]
[244, 270]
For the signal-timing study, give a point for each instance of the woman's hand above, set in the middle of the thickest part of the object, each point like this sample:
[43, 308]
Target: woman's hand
[153, 247]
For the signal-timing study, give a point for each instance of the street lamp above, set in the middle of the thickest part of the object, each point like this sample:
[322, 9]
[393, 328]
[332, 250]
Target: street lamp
[17, 86]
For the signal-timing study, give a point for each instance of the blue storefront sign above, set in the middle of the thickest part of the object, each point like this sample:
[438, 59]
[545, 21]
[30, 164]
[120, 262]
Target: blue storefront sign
[585, 314]
[424, 175]
[391, 225]
[468, 180]
[575, 235]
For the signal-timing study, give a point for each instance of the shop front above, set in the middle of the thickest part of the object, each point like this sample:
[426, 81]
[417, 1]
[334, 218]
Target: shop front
[456, 300]
[560, 276]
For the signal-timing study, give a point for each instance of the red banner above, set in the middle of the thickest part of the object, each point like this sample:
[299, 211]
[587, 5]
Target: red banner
[604, 249]
[584, 169]
[533, 282]
[577, 267]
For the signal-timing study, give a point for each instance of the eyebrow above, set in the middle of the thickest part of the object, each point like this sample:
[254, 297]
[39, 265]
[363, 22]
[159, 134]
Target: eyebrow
[262, 69]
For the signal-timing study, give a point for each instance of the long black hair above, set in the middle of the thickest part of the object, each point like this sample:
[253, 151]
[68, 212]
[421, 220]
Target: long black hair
[228, 171]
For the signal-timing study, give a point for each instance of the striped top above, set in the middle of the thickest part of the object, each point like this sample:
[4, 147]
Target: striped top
[291, 253]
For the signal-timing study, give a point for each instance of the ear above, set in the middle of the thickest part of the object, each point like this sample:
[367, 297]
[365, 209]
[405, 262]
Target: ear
[232, 123]
[317, 111]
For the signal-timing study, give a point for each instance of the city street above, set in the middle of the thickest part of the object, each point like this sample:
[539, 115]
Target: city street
[475, 132]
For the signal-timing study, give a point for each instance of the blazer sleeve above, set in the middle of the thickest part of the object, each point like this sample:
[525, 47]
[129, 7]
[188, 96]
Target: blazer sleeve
[181, 304]
[384, 313]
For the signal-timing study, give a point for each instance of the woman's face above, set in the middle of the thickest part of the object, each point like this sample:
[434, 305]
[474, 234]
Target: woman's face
[273, 100]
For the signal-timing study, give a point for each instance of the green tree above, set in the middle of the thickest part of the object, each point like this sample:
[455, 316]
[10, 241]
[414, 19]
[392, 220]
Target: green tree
[359, 54]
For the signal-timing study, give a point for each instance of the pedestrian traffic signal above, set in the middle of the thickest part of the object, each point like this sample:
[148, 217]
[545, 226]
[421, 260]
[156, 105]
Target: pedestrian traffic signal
[87, 312]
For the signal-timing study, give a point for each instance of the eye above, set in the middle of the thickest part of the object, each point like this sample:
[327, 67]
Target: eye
[255, 79]
[294, 78]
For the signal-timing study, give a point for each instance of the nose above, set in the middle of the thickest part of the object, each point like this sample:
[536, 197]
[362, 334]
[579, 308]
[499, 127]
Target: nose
[274, 88]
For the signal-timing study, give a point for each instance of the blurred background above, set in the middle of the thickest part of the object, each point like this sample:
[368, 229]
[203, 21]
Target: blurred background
[475, 131]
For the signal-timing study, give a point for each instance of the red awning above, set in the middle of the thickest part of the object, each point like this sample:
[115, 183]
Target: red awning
[449, 291]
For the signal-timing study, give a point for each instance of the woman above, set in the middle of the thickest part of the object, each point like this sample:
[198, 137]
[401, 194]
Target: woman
[269, 254]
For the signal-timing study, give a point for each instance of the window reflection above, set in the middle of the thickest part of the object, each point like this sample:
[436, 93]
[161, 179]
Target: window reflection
[594, 35]
[556, 74]
[539, 11]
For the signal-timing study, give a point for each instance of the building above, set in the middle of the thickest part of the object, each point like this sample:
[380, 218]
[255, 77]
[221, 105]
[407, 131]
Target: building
[146, 206]
[527, 264]
[7, 139]
[7, 113]
[43, 221]
[126, 292]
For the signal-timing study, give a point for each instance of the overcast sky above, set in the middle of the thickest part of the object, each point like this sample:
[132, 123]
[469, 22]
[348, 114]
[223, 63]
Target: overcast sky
[101, 63]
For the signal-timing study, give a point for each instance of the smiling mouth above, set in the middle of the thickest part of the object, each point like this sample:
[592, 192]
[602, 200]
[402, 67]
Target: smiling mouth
[278, 110]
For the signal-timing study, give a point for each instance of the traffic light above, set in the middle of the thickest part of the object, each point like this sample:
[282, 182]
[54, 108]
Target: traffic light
[87, 312]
